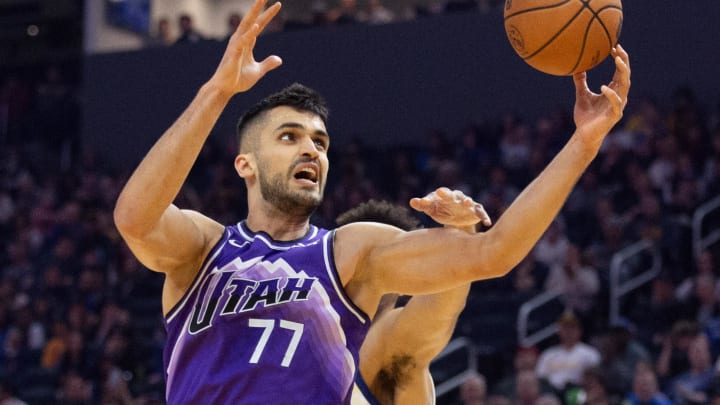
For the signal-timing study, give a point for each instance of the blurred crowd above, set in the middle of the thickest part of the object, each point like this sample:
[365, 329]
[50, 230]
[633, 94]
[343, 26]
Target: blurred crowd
[80, 318]
[166, 32]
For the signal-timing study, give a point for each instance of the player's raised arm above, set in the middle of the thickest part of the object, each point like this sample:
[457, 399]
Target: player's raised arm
[163, 237]
[433, 260]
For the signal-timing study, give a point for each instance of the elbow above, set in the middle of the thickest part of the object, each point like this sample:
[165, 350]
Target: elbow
[126, 220]
[495, 255]
[497, 269]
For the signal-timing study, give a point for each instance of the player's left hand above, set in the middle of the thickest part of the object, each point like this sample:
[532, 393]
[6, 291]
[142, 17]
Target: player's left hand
[596, 114]
[451, 208]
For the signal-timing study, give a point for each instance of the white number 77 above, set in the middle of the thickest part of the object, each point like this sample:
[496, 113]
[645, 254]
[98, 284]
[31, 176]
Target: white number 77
[269, 325]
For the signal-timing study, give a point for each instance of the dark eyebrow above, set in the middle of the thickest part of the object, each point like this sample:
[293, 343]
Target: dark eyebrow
[295, 125]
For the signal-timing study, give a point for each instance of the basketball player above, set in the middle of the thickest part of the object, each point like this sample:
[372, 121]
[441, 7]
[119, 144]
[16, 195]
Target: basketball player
[274, 309]
[395, 356]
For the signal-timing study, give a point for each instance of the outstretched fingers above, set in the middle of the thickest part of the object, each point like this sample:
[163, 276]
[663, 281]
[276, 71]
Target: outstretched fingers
[264, 19]
[621, 78]
[251, 16]
[616, 101]
[247, 46]
[247, 42]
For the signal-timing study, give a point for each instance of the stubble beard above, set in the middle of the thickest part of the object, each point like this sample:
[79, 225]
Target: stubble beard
[296, 203]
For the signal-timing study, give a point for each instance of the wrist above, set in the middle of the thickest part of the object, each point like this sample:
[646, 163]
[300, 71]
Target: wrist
[584, 145]
[215, 92]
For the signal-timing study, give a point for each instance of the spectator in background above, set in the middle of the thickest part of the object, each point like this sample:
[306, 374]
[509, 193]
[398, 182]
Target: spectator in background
[645, 389]
[620, 354]
[525, 359]
[563, 364]
[233, 22]
[704, 264]
[473, 390]
[577, 282]
[75, 389]
[528, 277]
[377, 13]
[498, 193]
[552, 249]
[693, 386]
[527, 388]
[655, 315]
[673, 358]
[56, 346]
[188, 33]
[345, 13]
[28, 333]
[703, 304]
[595, 388]
[515, 149]
[162, 36]
[78, 358]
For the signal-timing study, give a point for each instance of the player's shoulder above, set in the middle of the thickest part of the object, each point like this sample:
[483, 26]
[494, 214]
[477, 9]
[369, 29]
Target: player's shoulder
[362, 235]
[364, 229]
[207, 226]
[354, 241]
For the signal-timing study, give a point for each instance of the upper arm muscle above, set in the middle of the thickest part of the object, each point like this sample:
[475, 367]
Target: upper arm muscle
[177, 244]
[425, 261]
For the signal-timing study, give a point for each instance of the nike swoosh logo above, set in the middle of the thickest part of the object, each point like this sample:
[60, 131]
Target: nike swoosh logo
[238, 264]
[236, 243]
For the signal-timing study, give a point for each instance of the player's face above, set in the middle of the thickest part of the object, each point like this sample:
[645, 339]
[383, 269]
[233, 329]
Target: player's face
[292, 160]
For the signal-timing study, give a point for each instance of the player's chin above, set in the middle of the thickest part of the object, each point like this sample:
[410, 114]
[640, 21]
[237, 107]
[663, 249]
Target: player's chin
[311, 194]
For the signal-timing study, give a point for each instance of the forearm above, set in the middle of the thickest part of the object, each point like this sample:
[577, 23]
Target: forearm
[161, 174]
[525, 221]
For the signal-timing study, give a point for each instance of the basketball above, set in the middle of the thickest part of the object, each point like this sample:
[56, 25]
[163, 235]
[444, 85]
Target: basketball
[562, 37]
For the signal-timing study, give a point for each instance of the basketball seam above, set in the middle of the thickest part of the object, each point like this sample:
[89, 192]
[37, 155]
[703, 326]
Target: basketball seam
[557, 34]
[596, 17]
[584, 42]
[602, 23]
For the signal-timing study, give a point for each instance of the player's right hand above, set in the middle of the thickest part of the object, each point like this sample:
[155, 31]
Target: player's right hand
[238, 71]
[451, 208]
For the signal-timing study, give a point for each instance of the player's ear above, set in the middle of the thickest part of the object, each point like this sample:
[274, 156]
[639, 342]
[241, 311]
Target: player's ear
[245, 165]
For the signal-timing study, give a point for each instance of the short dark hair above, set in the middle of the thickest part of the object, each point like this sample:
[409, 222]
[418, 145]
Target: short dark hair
[380, 211]
[296, 95]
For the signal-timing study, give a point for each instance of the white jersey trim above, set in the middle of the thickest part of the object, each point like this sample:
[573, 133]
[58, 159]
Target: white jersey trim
[334, 279]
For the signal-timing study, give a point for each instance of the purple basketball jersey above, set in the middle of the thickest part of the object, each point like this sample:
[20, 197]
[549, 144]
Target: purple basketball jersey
[264, 322]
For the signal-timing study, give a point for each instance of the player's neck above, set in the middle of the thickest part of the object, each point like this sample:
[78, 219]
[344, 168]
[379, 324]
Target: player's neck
[279, 227]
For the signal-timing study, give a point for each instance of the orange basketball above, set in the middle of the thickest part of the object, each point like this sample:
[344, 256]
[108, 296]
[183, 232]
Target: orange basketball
[562, 37]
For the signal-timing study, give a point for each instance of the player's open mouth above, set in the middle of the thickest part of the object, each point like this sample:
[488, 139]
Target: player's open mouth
[307, 172]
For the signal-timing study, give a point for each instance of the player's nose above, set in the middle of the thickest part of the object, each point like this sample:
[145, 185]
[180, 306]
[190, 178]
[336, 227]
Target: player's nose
[308, 147]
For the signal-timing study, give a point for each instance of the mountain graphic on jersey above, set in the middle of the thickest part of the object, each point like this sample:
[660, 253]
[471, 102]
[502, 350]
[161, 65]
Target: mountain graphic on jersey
[264, 321]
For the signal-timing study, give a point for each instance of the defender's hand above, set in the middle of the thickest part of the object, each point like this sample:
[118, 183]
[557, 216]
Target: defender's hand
[451, 208]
